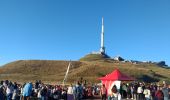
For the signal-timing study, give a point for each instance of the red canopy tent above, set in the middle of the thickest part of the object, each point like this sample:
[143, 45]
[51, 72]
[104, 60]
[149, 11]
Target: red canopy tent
[116, 75]
[114, 78]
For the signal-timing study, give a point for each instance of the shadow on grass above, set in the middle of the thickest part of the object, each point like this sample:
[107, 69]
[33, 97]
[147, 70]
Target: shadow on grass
[160, 76]
[148, 79]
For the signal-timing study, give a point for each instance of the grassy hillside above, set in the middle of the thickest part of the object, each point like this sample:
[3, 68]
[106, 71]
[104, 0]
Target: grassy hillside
[54, 71]
[94, 57]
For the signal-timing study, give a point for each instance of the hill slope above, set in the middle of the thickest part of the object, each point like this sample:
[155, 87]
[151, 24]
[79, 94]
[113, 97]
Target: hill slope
[54, 71]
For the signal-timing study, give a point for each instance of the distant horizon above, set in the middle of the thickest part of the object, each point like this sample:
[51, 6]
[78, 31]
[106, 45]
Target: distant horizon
[64, 30]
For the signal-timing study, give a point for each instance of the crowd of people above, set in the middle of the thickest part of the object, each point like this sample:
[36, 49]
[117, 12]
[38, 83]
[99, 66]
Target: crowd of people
[40, 91]
[137, 91]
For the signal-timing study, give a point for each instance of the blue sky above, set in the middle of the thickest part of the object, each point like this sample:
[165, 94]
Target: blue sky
[70, 29]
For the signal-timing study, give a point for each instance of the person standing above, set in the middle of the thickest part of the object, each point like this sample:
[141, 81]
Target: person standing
[79, 91]
[135, 88]
[140, 92]
[43, 93]
[169, 91]
[147, 93]
[70, 92]
[74, 92]
[27, 90]
[103, 92]
[165, 92]
[15, 92]
[115, 93]
[159, 94]
[9, 91]
[64, 93]
[2, 91]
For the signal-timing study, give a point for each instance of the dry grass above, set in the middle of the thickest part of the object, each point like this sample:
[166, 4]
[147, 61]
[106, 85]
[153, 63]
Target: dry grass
[54, 71]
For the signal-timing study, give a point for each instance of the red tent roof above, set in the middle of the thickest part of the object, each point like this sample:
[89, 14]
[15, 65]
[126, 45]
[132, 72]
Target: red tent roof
[117, 75]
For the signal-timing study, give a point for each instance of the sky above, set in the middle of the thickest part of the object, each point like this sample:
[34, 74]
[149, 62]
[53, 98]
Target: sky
[70, 29]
